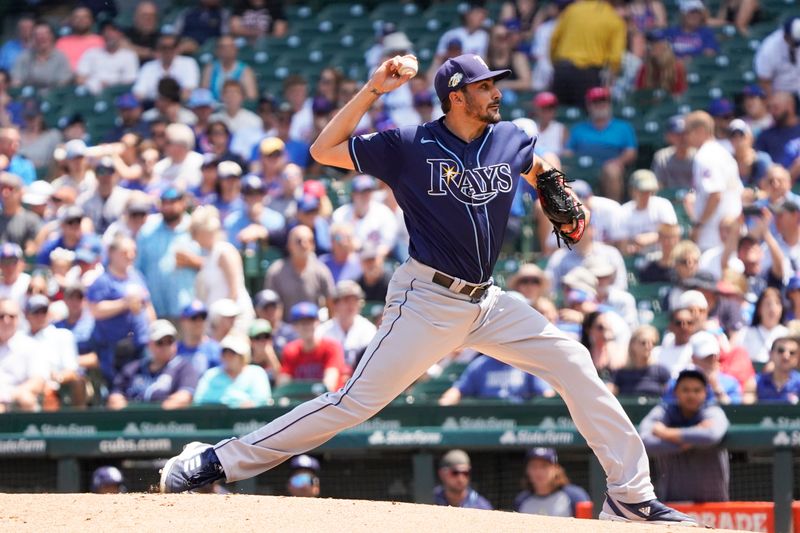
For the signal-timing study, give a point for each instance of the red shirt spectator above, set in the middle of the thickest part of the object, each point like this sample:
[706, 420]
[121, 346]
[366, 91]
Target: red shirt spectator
[80, 38]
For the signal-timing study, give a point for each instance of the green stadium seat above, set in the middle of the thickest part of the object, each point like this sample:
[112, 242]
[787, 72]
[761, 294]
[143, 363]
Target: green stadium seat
[430, 390]
[398, 13]
[299, 390]
[341, 13]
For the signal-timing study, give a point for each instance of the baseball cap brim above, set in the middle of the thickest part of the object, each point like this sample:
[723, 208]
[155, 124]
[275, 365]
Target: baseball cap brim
[491, 75]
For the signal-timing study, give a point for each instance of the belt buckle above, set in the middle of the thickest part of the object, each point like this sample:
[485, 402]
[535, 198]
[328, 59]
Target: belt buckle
[474, 289]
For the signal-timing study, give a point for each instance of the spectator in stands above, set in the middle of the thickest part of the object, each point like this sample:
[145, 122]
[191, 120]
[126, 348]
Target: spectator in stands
[14, 281]
[197, 24]
[673, 164]
[137, 207]
[692, 37]
[218, 137]
[304, 479]
[307, 213]
[758, 270]
[37, 141]
[348, 327]
[782, 384]
[222, 318]
[775, 63]
[37, 198]
[195, 345]
[228, 197]
[753, 164]
[685, 438]
[607, 295]
[107, 201]
[235, 383]
[311, 357]
[59, 349]
[160, 376]
[608, 355]
[107, 65]
[609, 141]
[78, 175]
[552, 133]
[792, 296]
[548, 490]
[142, 37]
[645, 213]
[24, 369]
[167, 63]
[716, 181]
[501, 53]
[80, 322]
[108, 480]
[252, 224]
[766, 325]
[80, 38]
[202, 104]
[295, 93]
[530, 281]
[723, 388]
[180, 167]
[300, 277]
[711, 259]
[269, 307]
[642, 376]
[660, 68]
[488, 378]
[756, 115]
[256, 19]
[342, 261]
[721, 110]
[675, 353]
[263, 351]
[165, 258]
[658, 266]
[786, 127]
[41, 66]
[17, 224]
[787, 222]
[374, 279]
[122, 309]
[71, 235]
[563, 260]
[227, 67]
[129, 120]
[589, 36]
[167, 105]
[471, 34]
[221, 274]
[245, 142]
[11, 160]
[455, 470]
[373, 222]
[232, 113]
[13, 47]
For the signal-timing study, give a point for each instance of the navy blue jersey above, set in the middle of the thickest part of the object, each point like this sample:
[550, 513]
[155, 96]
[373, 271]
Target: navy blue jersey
[456, 196]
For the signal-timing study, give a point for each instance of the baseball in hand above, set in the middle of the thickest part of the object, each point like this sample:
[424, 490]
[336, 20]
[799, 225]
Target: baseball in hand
[408, 67]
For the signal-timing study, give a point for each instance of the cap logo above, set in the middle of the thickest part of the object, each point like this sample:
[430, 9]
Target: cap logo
[480, 60]
[455, 79]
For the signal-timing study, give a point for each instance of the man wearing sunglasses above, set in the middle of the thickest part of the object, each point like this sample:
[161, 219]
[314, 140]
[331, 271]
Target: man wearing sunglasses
[17, 224]
[195, 345]
[455, 470]
[70, 236]
[161, 377]
[782, 385]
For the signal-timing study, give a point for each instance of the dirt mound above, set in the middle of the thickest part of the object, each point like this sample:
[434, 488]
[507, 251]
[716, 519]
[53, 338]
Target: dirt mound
[197, 512]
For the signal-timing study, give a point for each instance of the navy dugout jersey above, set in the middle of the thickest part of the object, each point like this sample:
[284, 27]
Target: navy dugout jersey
[456, 196]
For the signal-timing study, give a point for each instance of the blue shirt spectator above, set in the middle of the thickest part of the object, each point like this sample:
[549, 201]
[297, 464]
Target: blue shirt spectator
[205, 21]
[252, 214]
[601, 140]
[774, 140]
[486, 377]
[235, 383]
[691, 43]
[455, 472]
[78, 320]
[12, 48]
[195, 345]
[783, 383]
[22, 167]
[727, 383]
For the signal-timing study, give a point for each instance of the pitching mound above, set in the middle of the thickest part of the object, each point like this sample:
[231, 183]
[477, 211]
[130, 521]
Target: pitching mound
[195, 513]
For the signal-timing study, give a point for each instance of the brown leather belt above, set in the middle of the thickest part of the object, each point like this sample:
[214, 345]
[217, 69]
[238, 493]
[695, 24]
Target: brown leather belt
[473, 291]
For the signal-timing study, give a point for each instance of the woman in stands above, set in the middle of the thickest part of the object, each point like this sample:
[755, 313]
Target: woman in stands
[641, 376]
[607, 353]
[225, 67]
[661, 69]
[686, 258]
[502, 54]
[766, 325]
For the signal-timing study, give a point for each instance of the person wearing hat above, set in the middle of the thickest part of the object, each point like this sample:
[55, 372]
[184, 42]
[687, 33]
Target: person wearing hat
[374, 279]
[684, 437]
[530, 281]
[14, 281]
[715, 179]
[77, 171]
[171, 280]
[252, 223]
[181, 164]
[129, 119]
[108, 65]
[308, 214]
[775, 59]
[454, 490]
[120, 302]
[552, 133]
[782, 384]
[138, 206]
[195, 345]
[753, 164]
[222, 316]
[167, 63]
[106, 202]
[80, 322]
[348, 326]
[608, 141]
[692, 37]
[754, 104]
[235, 383]
[262, 348]
[71, 234]
[37, 198]
[108, 480]
[17, 224]
[792, 291]
[722, 388]
[644, 213]
[232, 113]
[160, 377]
[588, 37]
[642, 376]
[608, 295]
[673, 163]
[311, 356]
[371, 220]
[721, 109]
[548, 490]
[304, 478]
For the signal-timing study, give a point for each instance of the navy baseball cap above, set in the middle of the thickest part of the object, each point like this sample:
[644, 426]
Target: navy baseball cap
[307, 203]
[720, 107]
[303, 311]
[266, 297]
[10, 250]
[252, 182]
[195, 308]
[127, 101]
[304, 462]
[676, 124]
[462, 70]
[106, 475]
[546, 454]
[754, 90]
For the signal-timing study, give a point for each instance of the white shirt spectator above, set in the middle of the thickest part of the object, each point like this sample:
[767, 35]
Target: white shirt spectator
[673, 357]
[17, 291]
[711, 262]
[183, 69]
[186, 174]
[772, 63]
[624, 304]
[476, 42]
[757, 340]
[104, 211]
[658, 211]
[563, 260]
[606, 221]
[20, 361]
[302, 123]
[60, 348]
[540, 52]
[715, 170]
[354, 341]
[378, 226]
[103, 69]
[551, 139]
[244, 119]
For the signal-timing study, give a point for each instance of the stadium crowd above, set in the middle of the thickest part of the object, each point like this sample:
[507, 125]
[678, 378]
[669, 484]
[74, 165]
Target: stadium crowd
[131, 258]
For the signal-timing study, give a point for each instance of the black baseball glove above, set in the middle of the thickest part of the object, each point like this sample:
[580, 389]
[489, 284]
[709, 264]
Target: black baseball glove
[561, 206]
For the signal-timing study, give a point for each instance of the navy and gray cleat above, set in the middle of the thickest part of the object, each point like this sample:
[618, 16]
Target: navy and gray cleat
[196, 466]
[651, 512]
